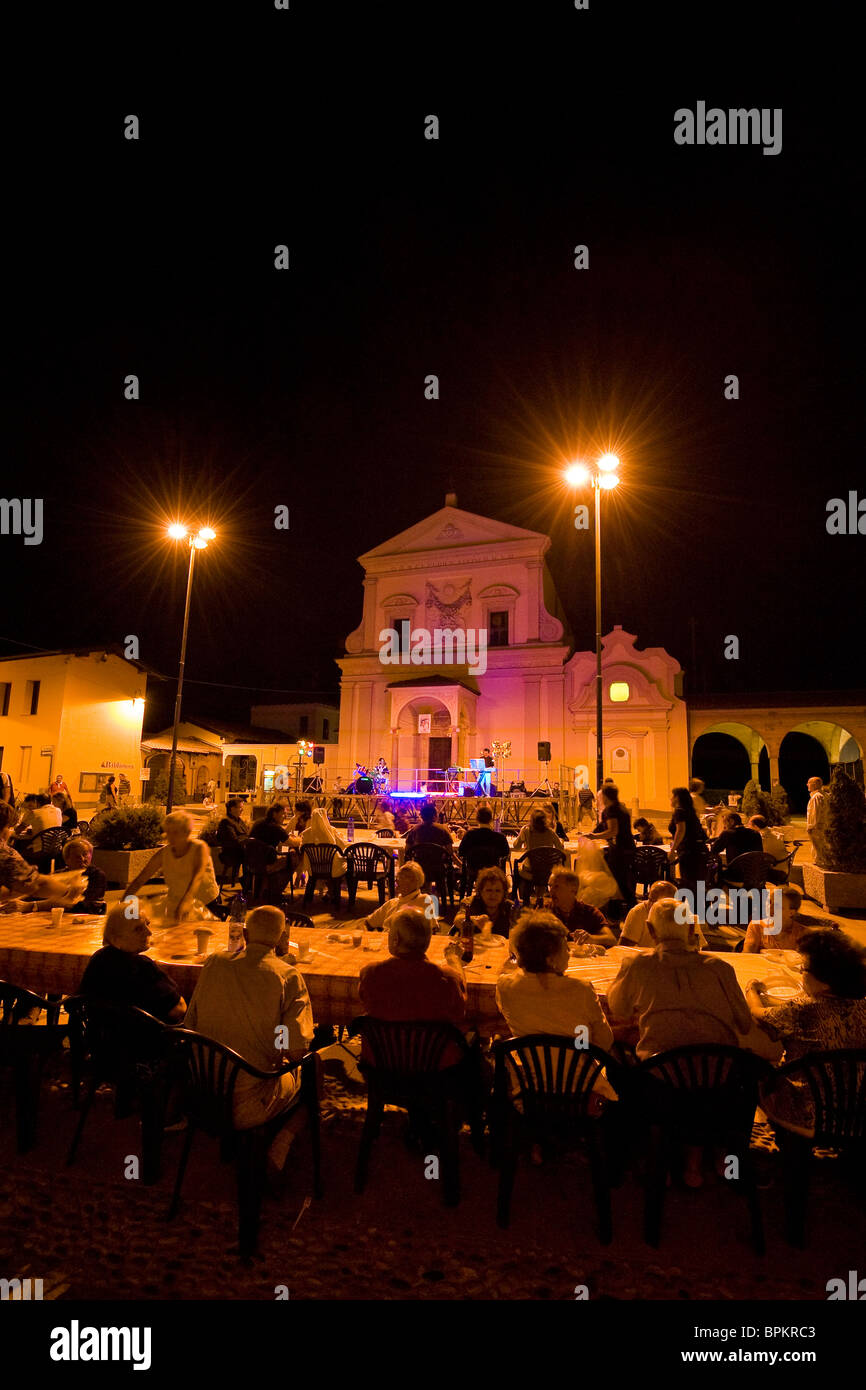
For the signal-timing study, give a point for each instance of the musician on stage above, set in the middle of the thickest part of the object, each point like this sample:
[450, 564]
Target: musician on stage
[482, 786]
[380, 777]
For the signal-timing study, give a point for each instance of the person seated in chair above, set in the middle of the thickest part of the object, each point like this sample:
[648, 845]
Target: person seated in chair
[585, 924]
[68, 813]
[645, 832]
[40, 815]
[831, 1014]
[533, 991]
[736, 838]
[120, 973]
[772, 844]
[766, 936]
[483, 839]
[538, 834]
[242, 1001]
[77, 854]
[489, 903]
[407, 986]
[20, 880]
[410, 882]
[428, 832]
[231, 833]
[678, 995]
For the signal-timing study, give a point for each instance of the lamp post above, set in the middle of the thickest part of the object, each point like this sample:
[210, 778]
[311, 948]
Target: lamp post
[305, 749]
[198, 541]
[601, 475]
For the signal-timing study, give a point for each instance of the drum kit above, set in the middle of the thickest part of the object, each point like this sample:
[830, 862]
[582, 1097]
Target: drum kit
[363, 784]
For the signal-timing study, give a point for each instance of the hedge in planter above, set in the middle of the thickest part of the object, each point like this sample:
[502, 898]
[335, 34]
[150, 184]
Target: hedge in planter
[845, 834]
[838, 879]
[757, 802]
[129, 827]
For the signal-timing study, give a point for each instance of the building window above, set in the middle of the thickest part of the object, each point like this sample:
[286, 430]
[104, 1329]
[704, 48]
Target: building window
[303, 724]
[31, 697]
[619, 692]
[498, 633]
[326, 729]
[5, 696]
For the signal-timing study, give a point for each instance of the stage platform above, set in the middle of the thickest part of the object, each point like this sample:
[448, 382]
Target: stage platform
[512, 811]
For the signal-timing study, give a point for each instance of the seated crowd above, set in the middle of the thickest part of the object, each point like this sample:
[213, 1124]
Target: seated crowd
[669, 991]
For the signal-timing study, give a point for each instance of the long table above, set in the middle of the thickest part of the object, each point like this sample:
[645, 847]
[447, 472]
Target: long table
[52, 960]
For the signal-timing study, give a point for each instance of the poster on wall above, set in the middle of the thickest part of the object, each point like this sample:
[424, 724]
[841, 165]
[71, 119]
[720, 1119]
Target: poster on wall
[424, 723]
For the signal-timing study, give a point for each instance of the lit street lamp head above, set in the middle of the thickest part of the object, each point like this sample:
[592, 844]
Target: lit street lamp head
[577, 474]
[176, 531]
[608, 463]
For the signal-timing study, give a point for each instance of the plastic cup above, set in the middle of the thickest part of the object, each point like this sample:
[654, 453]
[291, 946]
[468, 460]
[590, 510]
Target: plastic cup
[202, 937]
[56, 916]
[357, 938]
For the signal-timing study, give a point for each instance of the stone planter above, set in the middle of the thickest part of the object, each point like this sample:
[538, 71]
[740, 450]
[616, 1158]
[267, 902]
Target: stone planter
[834, 891]
[120, 866]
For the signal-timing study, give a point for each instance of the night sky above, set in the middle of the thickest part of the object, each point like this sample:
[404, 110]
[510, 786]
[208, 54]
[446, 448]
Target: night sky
[454, 257]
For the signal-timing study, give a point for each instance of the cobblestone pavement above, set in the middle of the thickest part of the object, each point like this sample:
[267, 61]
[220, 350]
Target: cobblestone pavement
[91, 1233]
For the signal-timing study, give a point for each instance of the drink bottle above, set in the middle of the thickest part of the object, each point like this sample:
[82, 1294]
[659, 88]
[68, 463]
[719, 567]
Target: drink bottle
[237, 913]
[350, 829]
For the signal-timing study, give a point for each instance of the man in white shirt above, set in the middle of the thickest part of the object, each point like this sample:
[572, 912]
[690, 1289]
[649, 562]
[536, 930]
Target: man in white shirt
[636, 932]
[252, 1002]
[410, 881]
[41, 815]
[816, 817]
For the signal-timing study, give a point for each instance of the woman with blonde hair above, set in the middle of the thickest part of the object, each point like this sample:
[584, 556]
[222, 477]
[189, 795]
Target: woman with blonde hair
[186, 865]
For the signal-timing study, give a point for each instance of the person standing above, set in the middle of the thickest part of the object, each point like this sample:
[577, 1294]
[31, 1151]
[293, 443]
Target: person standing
[187, 868]
[7, 791]
[616, 828]
[816, 818]
[689, 838]
[109, 794]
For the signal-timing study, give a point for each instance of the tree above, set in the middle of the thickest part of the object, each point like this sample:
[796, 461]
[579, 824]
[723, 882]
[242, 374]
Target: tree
[779, 799]
[757, 802]
[845, 835]
[159, 789]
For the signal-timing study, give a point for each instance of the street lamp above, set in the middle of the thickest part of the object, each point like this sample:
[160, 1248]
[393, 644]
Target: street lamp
[305, 750]
[197, 540]
[602, 475]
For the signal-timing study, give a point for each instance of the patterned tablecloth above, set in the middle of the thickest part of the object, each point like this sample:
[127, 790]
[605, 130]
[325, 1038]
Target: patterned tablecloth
[52, 960]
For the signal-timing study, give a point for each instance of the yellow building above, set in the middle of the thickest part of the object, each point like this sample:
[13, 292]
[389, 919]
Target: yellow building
[75, 713]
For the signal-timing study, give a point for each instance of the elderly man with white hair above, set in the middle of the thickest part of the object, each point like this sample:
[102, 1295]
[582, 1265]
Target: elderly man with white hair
[816, 817]
[410, 881]
[120, 972]
[678, 995]
[254, 1002]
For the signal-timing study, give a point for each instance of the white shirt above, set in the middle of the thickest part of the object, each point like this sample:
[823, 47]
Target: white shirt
[550, 1004]
[46, 817]
[423, 901]
[636, 931]
[816, 814]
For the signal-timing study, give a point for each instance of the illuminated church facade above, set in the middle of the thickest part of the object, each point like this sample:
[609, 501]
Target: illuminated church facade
[463, 642]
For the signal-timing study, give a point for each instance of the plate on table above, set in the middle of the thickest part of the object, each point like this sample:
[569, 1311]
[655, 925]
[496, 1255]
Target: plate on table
[781, 994]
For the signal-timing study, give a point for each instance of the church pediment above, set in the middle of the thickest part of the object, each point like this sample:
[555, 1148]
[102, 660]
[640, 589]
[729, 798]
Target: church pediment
[452, 528]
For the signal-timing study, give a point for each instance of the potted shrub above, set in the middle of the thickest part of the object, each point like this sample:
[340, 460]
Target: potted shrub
[838, 880]
[757, 802]
[124, 840]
